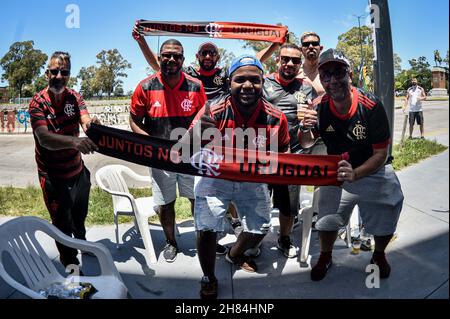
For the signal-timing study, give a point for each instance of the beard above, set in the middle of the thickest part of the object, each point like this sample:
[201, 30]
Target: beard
[170, 68]
[288, 76]
[207, 67]
[311, 55]
[339, 92]
[57, 86]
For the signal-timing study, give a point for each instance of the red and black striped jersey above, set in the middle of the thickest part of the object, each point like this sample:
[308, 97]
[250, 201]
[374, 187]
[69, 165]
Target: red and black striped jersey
[164, 108]
[63, 119]
[364, 128]
[285, 97]
[214, 81]
[267, 123]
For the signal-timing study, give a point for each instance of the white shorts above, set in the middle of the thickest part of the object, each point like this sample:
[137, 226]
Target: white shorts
[164, 185]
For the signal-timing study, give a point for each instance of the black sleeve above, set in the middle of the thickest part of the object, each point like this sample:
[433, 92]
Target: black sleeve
[379, 131]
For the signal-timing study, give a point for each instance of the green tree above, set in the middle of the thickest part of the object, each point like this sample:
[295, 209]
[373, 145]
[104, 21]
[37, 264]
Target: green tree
[397, 64]
[89, 83]
[22, 64]
[73, 82]
[40, 83]
[350, 43]
[111, 66]
[225, 58]
[420, 69]
[257, 46]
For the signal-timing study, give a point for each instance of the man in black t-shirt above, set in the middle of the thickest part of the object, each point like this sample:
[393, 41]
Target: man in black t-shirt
[353, 124]
[286, 92]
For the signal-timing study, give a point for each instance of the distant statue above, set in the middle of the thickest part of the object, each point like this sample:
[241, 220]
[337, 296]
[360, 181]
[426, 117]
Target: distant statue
[437, 57]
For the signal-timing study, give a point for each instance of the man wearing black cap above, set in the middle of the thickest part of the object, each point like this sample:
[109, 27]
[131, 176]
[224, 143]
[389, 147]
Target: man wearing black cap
[353, 123]
[243, 109]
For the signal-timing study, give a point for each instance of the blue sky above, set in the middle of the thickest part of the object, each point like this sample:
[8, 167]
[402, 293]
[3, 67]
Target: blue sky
[418, 27]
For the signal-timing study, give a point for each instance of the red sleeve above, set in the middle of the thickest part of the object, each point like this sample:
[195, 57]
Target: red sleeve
[138, 102]
[37, 117]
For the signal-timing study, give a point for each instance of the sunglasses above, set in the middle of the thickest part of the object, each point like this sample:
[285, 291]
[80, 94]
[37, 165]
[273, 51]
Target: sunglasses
[313, 43]
[55, 72]
[206, 52]
[175, 56]
[286, 59]
[338, 74]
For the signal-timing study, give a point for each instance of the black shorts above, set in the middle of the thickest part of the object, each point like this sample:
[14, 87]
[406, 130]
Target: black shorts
[286, 198]
[416, 117]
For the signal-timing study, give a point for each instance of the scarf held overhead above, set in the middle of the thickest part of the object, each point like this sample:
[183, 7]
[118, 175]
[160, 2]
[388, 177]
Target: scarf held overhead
[219, 30]
[271, 168]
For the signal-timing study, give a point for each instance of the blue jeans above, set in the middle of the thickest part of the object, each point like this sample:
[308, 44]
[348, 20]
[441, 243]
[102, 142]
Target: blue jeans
[213, 196]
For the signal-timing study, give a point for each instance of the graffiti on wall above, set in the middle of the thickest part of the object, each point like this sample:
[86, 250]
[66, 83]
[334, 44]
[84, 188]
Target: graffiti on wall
[113, 115]
[18, 121]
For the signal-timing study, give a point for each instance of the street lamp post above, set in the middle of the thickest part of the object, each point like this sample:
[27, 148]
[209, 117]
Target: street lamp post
[361, 48]
[384, 59]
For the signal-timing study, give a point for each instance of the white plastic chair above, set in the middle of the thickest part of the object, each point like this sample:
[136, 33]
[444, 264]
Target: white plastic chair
[110, 179]
[308, 204]
[18, 239]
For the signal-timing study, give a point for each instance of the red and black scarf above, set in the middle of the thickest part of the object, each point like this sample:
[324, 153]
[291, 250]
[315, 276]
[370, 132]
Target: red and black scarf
[273, 168]
[217, 30]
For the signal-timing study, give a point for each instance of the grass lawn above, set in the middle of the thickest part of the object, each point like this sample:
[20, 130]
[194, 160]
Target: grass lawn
[28, 201]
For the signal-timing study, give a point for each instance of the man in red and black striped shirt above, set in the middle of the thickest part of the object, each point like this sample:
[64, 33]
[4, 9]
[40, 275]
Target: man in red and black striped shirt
[56, 114]
[243, 109]
[160, 104]
[353, 123]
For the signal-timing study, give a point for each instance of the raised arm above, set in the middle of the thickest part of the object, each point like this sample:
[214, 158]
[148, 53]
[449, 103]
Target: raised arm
[149, 55]
[266, 53]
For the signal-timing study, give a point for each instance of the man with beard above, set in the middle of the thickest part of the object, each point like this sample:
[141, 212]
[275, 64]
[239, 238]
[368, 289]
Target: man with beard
[214, 78]
[242, 109]
[286, 92]
[215, 83]
[414, 97]
[353, 123]
[161, 103]
[55, 115]
[311, 50]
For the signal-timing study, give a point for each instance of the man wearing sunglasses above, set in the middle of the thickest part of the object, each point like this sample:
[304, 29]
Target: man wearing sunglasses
[285, 91]
[353, 124]
[214, 78]
[161, 103]
[55, 115]
[311, 50]
[215, 83]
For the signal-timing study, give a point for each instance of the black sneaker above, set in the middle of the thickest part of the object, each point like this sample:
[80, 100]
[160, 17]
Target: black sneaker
[221, 250]
[208, 288]
[384, 267]
[284, 244]
[170, 252]
[319, 271]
